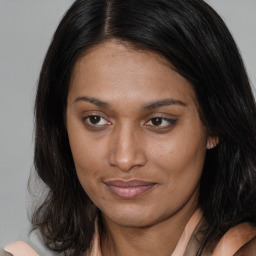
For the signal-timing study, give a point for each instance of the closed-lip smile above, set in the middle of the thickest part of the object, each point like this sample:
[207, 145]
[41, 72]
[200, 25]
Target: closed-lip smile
[129, 189]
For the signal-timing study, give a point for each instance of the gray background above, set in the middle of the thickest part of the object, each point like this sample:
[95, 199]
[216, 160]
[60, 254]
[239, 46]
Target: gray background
[26, 27]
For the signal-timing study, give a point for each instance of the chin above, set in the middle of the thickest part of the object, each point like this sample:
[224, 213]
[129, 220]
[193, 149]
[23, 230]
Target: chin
[132, 216]
[132, 221]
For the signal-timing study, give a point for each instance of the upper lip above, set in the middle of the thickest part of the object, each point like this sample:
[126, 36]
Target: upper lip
[130, 183]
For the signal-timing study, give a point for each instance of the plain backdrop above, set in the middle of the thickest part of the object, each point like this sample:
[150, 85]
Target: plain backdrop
[26, 28]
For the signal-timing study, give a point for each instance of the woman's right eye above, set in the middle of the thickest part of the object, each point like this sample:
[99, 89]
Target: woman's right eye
[95, 120]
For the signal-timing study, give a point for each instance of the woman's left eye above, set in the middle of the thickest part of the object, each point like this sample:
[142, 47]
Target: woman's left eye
[161, 122]
[94, 120]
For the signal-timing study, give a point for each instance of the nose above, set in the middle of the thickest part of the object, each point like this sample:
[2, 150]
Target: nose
[127, 149]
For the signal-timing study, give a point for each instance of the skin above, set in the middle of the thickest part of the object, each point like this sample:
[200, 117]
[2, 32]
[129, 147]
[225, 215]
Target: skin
[163, 144]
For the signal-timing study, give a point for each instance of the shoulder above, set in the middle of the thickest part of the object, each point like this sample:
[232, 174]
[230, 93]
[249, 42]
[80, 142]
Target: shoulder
[18, 249]
[4, 253]
[238, 241]
[249, 249]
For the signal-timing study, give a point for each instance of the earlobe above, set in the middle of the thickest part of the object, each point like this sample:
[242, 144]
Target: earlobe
[212, 142]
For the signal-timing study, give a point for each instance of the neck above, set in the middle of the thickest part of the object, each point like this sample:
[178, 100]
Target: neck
[159, 238]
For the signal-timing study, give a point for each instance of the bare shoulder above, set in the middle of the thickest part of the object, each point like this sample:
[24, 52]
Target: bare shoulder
[4, 253]
[238, 241]
[19, 249]
[248, 249]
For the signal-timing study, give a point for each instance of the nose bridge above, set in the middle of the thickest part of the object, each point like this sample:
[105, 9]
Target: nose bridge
[127, 150]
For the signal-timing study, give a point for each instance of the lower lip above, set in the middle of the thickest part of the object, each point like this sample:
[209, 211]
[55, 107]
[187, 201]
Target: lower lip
[129, 192]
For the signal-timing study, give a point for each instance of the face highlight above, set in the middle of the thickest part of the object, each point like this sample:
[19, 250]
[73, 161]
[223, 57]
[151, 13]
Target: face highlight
[135, 134]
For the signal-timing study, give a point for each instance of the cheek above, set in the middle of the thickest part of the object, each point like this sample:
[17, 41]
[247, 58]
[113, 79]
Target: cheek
[86, 159]
[181, 169]
[179, 153]
[81, 144]
[181, 158]
[85, 154]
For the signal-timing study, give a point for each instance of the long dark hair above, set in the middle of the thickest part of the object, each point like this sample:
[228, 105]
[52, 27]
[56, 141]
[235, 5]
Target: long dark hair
[195, 40]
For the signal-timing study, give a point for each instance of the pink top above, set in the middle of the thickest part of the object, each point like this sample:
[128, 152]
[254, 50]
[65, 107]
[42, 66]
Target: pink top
[235, 238]
[20, 249]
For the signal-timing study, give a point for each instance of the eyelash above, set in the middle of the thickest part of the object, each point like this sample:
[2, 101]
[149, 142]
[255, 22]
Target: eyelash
[171, 122]
[85, 121]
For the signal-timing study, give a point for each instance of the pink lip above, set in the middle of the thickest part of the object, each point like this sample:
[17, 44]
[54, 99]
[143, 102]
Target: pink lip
[129, 189]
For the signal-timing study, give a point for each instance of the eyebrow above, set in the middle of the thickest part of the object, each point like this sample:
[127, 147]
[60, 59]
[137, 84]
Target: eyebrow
[94, 101]
[162, 103]
[150, 106]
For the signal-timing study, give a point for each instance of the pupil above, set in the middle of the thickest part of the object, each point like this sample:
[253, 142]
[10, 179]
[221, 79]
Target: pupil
[157, 121]
[94, 119]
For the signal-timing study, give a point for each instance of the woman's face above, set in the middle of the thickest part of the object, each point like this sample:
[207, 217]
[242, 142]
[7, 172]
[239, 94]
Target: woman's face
[135, 133]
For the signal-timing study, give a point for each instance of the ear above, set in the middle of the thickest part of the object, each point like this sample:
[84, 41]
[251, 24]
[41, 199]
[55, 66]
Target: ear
[212, 142]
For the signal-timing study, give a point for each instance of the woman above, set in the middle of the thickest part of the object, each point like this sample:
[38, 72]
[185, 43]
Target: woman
[145, 133]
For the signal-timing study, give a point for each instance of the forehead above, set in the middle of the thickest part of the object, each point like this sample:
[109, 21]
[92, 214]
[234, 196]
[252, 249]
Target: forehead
[115, 69]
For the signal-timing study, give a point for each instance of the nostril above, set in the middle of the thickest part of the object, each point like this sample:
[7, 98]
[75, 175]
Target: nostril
[127, 161]
[126, 150]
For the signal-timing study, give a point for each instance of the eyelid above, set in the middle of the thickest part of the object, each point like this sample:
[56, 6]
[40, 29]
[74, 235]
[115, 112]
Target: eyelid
[162, 115]
[171, 119]
[94, 113]
[95, 126]
[86, 117]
